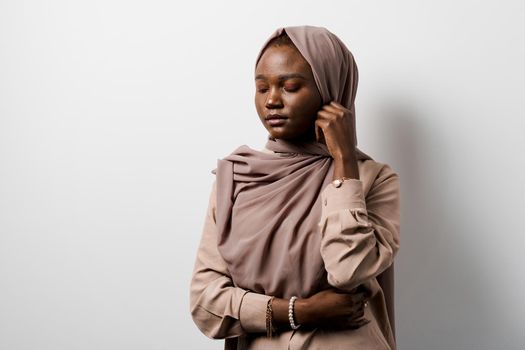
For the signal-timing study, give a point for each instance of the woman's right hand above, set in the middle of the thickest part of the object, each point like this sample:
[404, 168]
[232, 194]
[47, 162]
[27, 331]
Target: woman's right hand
[333, 308]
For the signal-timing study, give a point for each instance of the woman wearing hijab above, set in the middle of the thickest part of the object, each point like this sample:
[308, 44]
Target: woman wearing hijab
[299, 239]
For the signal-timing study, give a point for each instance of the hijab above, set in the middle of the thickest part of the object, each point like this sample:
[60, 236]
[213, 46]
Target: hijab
[269, 204]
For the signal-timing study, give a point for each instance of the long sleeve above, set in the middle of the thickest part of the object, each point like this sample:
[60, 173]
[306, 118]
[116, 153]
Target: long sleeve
[360, 239]
[218, 308]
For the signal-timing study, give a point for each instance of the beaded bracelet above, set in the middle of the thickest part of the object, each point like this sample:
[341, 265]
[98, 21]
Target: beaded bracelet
[291, 313]
[270, 329]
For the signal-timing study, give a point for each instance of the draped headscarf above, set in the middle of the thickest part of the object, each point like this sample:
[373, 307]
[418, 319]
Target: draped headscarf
[269, 204]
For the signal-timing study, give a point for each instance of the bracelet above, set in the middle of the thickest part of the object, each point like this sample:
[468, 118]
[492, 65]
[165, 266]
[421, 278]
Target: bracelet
[270, 329]
[291, 312]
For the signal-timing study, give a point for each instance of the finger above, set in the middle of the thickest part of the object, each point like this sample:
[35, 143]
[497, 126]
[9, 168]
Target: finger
[336, 109]
[319, 133]
[358, 297]
[360, 312]
[358, 324]
[325, 115]
[363, 322]
[356, 311]
[321, 121]
[363, 295]
[335, 103]
[368, 293]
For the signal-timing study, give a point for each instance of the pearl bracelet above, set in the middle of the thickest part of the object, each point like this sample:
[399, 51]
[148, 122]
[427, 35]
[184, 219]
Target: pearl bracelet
[291, 313]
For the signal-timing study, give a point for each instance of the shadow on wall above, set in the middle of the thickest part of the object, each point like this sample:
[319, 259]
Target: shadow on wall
[440, 291]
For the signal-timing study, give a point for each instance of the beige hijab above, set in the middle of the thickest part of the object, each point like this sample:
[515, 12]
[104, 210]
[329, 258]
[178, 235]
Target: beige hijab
[332, 64]
[268, 205]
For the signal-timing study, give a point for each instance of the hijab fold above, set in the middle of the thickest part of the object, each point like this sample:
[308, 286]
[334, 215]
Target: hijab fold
[269, 204]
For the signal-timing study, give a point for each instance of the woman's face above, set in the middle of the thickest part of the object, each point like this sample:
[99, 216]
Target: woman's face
[285, 86]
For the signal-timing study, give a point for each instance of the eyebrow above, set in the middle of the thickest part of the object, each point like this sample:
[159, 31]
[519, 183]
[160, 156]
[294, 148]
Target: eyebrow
[282, 76]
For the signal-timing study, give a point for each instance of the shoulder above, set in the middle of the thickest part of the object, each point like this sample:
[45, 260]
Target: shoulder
[266, 150]
[234, 154]
[212, 199]
[375, 174]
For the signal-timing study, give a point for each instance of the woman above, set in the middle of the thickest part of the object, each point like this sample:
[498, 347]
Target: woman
[299, 239]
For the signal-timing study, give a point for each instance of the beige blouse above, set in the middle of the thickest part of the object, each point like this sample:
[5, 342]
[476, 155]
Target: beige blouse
[221, 310]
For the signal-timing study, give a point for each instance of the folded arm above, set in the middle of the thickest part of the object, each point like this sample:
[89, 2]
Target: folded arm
[360, 238]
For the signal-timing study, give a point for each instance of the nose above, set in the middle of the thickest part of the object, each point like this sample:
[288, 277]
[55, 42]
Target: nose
[273, 99]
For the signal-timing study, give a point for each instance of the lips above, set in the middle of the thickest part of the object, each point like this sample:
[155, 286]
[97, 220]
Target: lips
[275, 117]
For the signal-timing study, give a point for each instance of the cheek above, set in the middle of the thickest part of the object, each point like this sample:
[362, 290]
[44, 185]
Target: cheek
[259, 106]
[315, 103]
[257, 101]
[306, 104]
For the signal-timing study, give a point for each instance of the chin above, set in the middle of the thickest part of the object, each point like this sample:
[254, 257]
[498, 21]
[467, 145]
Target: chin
[278, 134]
[286, 135]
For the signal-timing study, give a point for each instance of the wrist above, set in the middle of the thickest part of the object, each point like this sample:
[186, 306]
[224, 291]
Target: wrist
[346, 168]
[303, 311]
[345, 156]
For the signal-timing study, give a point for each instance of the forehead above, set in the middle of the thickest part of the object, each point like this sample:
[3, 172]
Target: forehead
[282, 59]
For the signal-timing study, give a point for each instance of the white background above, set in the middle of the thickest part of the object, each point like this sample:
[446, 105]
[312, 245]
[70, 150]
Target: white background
[113, 113]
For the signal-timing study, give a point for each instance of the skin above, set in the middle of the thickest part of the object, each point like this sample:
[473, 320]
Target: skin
[285, 85]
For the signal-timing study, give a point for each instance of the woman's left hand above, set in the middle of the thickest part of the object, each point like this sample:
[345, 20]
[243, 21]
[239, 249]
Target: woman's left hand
[336, 123]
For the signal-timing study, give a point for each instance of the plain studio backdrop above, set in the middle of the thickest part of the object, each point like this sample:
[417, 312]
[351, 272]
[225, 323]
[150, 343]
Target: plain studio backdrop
[113, 114]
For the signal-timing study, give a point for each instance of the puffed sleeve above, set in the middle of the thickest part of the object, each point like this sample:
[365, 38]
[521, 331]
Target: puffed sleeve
[360, 238]
[218, 308]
